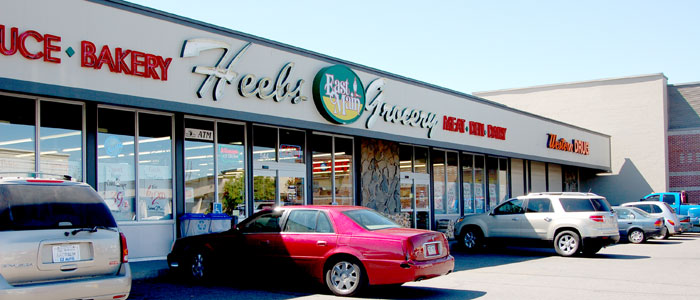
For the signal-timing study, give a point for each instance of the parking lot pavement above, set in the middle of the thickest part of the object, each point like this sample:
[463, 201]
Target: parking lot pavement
[659, 269]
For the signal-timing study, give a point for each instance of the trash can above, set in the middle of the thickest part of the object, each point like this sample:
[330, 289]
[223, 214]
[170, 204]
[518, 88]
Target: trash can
[219, 222]
[194, 224]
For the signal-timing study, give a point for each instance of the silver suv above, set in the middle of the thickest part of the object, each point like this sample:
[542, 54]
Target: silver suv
[59, 241]
[572, 222]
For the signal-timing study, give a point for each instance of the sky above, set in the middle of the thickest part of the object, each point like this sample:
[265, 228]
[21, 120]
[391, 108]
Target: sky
[471, 46]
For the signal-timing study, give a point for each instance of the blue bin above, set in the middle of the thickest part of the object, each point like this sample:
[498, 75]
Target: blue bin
[219, 222]
[194, 224]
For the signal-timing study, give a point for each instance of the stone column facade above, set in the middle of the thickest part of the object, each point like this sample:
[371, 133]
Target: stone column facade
[380, 180]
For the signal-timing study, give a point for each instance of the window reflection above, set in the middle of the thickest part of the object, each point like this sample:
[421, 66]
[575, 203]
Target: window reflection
[18, 134]
[332, 170]
[199, 168]
[155, 167]
[115, 161]
[231, 166]
[343, 171]
[61, 139]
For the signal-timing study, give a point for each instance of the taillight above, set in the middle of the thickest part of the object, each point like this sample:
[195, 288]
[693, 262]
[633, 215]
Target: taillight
[124, 248]
[597, 218]
[671, 222]
[658, 223]
[685, 221]
[410, 252]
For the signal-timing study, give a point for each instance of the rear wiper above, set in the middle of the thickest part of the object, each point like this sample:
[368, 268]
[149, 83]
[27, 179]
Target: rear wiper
[93, 229]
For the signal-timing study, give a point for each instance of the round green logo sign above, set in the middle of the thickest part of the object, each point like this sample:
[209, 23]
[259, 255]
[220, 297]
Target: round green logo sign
[339, 94]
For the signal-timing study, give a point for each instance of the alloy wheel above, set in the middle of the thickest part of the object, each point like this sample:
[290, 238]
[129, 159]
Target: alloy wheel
[345, 276]
[568, 244]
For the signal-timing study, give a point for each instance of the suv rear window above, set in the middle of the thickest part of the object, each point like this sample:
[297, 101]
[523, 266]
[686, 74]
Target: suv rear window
[32, 207]
[581, 205]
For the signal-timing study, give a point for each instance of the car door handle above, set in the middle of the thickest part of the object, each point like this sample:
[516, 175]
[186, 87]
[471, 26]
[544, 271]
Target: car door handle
[515, 219]
[548, 219]
[629, 222]
[321, 243]
[265, 243]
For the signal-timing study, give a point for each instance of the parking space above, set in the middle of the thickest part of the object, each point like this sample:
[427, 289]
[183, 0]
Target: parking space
[659, 269]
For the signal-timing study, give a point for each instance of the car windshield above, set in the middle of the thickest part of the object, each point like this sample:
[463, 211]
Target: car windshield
[585, 204]
[31, 207]
[370, 220]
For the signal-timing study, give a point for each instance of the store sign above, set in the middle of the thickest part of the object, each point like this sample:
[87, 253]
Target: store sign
[473, 128]
[339, 94]
[198, 134]
[576, 146]
[126, 61]
[395, 114]
[223, 74]
[30, 44]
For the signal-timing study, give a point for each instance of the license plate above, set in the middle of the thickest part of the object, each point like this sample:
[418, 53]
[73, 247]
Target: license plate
[432, 249]
[66, 253]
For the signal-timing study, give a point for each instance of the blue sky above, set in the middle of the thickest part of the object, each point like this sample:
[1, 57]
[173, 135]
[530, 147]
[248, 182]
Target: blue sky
[471, 46]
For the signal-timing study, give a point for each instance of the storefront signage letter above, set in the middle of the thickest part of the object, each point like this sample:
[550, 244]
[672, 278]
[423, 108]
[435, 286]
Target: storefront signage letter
[223, 72]
[139, 63]
[576, 146]
[395, 114]
[18, 42]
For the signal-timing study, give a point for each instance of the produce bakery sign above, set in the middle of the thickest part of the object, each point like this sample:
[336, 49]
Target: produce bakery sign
[339, 94]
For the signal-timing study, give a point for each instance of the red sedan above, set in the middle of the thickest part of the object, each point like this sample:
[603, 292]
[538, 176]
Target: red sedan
[344, 247]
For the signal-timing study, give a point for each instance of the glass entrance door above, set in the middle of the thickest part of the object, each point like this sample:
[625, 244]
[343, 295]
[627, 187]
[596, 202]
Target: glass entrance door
[278, 187]
[415, 199]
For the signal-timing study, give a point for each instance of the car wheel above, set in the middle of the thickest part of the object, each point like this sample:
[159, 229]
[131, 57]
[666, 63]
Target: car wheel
[567, 243]
[345, 277]
[667, 234]
[636, 236]
[591, 249]
[199, 266]
[471, 239]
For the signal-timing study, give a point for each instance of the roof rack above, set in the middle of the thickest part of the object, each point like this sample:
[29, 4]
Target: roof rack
[35, 175]
[563, 193]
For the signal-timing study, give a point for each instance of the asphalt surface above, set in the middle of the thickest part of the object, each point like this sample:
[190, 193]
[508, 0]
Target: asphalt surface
[659, 269]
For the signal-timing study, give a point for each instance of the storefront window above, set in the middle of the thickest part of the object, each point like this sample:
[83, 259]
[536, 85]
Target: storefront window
[155, 167]
[61, 139]
[291, 149]
[468, 182]
[231, 168]
[438, 158]
[452, 190]
[199, 166]
[479, 184]
[421, 160]
[17, 147]
[502, 180]
[332, 170]
[343, 171]
[570, 175]
[492, 173]
[115, 161]
[264, 144]
[322, 153]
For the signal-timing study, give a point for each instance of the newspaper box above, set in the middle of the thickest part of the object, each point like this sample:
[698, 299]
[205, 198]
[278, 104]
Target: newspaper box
[194, 224]
[219, 222]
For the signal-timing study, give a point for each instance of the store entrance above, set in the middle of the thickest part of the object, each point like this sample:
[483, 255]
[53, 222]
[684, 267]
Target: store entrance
[278, 186]
[415, 199]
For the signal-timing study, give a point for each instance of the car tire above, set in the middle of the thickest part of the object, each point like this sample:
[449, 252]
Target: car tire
[667, 234]
[636, 236]
[199, 267]
[471, 239]
[345, 277]
[591, 248]
[567, 243]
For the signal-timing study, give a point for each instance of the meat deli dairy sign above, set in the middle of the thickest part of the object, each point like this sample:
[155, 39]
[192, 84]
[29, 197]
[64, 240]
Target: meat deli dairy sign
[473, 128]
[576, 146]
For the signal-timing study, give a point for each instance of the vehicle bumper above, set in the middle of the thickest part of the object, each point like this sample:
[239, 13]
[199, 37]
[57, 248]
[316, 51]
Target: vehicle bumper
[401, 272]
[604, 241]
[654, 232]
[107, 287]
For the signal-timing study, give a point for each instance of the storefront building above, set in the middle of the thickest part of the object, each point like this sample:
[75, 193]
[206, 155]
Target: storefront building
[165, 116]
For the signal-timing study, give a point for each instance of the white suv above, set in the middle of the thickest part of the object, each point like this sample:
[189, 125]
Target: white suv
[59, 241]
[572, 222]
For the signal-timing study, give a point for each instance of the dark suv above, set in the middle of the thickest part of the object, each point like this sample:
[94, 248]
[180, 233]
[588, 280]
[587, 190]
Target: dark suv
[59, 241]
